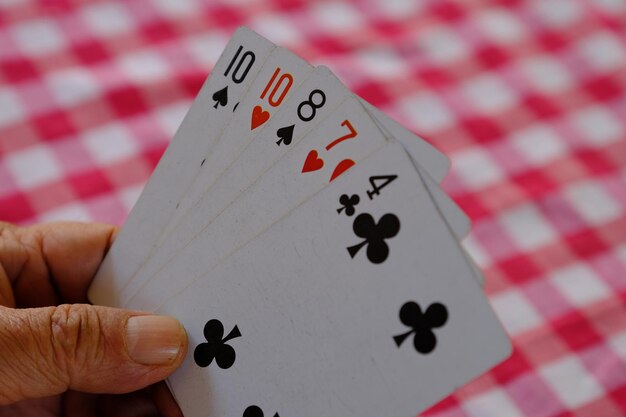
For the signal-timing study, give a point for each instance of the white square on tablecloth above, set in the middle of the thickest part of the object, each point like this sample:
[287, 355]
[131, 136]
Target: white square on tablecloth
[597, 125]
[11, 109]
[33, 166]
[574, 385]
[73, 86]
[539, 143]
[426, 112]
[38, 36]
[580, 285]
[489, 94]
[515, 312]
[107, 18]
[493, 403]
[527, 227]
[476, 168]
[109, 143]
[546, 74]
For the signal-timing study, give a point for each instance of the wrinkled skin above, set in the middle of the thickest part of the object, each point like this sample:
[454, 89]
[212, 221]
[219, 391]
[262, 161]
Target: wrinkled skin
[58, 365]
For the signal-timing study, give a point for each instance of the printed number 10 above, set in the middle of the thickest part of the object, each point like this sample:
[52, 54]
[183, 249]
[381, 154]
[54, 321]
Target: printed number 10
[283, 84]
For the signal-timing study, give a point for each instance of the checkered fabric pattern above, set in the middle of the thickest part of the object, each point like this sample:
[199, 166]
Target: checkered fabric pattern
[527, 97]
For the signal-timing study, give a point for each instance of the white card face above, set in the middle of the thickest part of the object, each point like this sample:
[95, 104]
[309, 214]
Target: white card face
[319, 94]
[279, 78]
[420, 153]
[311, 102]
[280, 75]
[345, 137]
[342, 308]
[232, 76]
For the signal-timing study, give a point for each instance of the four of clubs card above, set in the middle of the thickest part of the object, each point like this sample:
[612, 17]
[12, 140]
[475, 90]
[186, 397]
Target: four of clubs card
[302, 238]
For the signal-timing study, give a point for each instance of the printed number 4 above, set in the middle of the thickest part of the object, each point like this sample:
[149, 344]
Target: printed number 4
[379, 182]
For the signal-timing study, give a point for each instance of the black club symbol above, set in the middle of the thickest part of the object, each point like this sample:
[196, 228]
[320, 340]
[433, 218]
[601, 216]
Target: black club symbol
[374, 234]
[348, 203]
[215, 346]
[424, 340]
[254, 411]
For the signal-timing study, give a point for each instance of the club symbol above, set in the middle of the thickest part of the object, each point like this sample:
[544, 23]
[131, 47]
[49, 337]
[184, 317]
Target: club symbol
[215, 346]
[285, 135]
[221, 97]
[421, 324]
[254, 411]
[348, 203]
[374, 234]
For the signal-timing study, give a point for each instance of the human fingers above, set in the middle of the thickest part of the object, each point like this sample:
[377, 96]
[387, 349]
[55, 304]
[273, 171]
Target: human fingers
[47, 351]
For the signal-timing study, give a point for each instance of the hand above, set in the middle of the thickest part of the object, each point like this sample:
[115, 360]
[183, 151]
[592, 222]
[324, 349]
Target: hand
[59, 359]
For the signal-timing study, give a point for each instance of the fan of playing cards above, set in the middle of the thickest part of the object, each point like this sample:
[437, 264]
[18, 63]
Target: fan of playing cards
[303, 240]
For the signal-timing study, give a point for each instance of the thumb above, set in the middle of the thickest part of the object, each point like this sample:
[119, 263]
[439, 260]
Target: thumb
[46, 351]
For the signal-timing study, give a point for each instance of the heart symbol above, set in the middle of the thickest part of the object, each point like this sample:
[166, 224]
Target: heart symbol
[312, 162]
[259, 116]
[342, 167]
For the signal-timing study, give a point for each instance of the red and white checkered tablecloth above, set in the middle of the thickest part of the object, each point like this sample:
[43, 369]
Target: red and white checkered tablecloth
[527, 97]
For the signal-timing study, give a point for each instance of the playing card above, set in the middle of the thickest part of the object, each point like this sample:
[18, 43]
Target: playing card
[319, 95]
[232, 76]
[281, 73]
[310, 103]
[430, 164]
[345, 307]
[279, 78]
[346, 136]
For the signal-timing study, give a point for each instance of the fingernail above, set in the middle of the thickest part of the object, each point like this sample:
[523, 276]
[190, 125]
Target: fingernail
[154, 340]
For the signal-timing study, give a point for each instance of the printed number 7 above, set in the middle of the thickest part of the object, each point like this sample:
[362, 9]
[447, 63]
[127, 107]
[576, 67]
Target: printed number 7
[352, 134]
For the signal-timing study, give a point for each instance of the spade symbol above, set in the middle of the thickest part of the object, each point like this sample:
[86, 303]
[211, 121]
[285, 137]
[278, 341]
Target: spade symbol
[254, 411]
[421, 325]
[221, 97]
[215, 346]
[374, 234]
[285, 134]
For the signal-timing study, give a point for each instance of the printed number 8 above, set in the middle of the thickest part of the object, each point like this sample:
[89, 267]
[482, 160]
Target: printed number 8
[312, 104]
